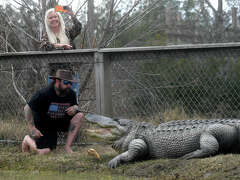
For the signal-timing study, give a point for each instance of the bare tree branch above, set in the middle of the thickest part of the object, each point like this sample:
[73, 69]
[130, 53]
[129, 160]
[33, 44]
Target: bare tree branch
[34, 12]
[76, 13]
[131, 23]
[108, 24]
[120, 22]
[211, 6]
[17, 2]
[18, 39]
[10, 23]
[127, 13]
[80, 8]
[117, 3]
[15, 87]
[70, 3]
[8, 43]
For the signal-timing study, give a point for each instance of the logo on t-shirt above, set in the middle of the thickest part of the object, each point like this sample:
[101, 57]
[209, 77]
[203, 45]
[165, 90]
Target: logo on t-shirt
[57, 110]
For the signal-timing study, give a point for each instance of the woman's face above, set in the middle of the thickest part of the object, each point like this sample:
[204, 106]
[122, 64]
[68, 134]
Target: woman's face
[53, 20]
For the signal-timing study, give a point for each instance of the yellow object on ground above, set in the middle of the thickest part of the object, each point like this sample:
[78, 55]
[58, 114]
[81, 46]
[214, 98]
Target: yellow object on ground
[93, 152]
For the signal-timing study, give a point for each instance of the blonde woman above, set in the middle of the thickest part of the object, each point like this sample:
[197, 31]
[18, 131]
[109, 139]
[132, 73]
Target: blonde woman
[57, 36]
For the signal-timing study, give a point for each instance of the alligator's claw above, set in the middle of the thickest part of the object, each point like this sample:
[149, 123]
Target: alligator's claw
[114, 162]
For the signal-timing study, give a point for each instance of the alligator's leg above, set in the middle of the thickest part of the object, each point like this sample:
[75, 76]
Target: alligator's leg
[117, 144]
[208, 146]
[136, 149]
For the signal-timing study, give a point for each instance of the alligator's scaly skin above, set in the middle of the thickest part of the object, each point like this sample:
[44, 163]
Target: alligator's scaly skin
[186, 139]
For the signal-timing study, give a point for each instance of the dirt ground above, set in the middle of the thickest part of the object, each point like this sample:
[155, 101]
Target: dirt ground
[217, 167]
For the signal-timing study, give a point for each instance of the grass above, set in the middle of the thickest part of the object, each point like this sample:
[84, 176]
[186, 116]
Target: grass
[177, 113]
[12, 129]
[80, 163]
[58, 162]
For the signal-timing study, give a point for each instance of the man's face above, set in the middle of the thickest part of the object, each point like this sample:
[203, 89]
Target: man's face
[64, 87]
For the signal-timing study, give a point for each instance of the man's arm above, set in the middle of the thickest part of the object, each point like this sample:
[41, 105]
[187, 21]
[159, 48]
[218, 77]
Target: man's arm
[29, 117]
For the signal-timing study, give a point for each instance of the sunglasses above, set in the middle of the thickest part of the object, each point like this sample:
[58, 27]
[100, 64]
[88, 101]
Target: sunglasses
[66, 82]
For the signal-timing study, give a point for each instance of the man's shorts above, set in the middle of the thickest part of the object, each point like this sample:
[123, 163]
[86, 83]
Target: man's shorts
[49, 138]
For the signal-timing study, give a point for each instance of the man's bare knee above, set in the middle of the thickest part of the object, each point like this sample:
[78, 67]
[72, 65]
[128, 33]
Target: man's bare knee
[77, 119]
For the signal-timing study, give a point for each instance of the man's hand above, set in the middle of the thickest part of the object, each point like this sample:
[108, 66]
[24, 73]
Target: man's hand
[35, 133]
[72, 110]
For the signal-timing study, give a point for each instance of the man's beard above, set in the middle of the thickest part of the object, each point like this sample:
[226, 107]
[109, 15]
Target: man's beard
[63, 92]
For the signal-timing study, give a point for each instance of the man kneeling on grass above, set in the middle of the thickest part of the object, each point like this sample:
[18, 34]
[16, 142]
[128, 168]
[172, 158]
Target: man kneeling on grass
[50, 110]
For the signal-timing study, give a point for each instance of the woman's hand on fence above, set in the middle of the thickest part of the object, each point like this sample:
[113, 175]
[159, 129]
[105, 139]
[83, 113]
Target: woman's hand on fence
[64, 46]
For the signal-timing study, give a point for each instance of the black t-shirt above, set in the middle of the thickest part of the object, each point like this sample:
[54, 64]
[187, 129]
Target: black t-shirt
[49, 109]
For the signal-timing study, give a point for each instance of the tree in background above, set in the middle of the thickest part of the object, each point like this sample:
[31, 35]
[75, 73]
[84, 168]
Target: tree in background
[118, 23]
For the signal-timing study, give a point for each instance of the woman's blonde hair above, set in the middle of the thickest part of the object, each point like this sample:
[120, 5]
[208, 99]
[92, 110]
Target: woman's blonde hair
[51, 35]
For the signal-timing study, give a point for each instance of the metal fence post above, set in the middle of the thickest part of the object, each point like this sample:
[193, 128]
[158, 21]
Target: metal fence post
[103, 84]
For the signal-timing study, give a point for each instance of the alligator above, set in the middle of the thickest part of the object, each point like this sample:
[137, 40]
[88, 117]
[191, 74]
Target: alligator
[184, 139]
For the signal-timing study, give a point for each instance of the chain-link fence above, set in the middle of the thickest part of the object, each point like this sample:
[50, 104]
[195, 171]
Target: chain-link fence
[201, 81]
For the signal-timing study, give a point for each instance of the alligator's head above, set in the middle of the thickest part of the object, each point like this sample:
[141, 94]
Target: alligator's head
[108, 129]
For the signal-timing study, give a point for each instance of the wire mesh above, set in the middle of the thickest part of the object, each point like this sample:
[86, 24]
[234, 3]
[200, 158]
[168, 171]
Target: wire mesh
[202, 83]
